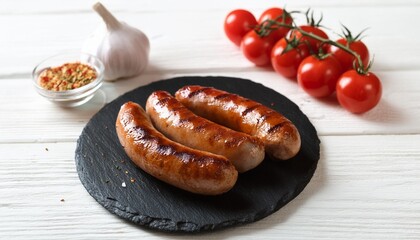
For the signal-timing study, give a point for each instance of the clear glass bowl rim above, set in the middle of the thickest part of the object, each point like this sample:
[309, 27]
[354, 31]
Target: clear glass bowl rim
[99, 67]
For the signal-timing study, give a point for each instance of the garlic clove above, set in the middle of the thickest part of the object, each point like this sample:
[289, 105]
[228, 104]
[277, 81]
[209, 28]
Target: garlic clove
[123, 49]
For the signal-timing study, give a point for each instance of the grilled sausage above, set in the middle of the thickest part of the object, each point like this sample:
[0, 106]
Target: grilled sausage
[280, 136]
[190, 169]
[178, 123]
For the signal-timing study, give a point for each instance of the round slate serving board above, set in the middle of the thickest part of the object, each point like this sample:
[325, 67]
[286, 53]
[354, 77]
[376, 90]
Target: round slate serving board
[125, 190]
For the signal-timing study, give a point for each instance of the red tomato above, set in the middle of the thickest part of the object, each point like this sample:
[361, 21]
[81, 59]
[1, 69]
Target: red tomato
[257, 49]
[357, 92]
[286, 62]
[345, 58]
[313, 43]
[238, 23]
[277, 14]
[318, 77]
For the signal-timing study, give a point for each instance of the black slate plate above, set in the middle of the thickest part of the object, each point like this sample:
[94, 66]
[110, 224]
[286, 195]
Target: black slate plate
[104, 168]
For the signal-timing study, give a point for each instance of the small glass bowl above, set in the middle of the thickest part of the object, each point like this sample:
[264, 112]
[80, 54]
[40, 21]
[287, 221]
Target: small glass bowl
[73, 97]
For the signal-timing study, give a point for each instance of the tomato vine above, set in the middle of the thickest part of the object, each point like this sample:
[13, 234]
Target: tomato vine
[305, 53]
[264, 29]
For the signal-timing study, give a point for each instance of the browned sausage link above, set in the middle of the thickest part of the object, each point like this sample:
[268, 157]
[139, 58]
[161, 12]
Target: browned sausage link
[280, 136]
[178, 123]
[192, 170]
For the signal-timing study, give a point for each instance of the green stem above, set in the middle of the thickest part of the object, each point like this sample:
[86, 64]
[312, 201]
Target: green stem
[336, 44]
[361, 68]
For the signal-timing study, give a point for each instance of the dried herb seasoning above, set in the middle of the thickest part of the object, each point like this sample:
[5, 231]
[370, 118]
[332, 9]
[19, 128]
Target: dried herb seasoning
[67, 76]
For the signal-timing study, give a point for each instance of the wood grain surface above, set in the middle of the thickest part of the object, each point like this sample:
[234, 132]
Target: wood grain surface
[365, 187]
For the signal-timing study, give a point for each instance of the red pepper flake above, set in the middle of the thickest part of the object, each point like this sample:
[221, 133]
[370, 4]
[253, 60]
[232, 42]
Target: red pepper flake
[67, 76]
[45, 79]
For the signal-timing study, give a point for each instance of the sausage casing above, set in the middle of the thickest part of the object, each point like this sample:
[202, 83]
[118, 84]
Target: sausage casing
[280, 136]
[178, 123]
[190, 169]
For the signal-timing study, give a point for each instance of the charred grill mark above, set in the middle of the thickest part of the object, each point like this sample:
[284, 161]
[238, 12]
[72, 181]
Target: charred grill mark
[163, 101]
[187, 119]
[183, 156]
[216, 136]
[263, 117]
[223, 95]
[165, 149]
[203, 159]
[188, 158]
[196, 92]
[209, 160]
[267, 114]
[140, 134]
[277, 126]
[250, 109]
[200, 127]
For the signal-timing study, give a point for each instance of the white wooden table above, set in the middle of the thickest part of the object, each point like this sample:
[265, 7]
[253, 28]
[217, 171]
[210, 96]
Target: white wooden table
[366, 186]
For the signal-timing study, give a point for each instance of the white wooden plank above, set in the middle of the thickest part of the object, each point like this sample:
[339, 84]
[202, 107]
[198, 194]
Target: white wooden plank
[195, 39]
[364, 187]
[27, 117]
[46, 6]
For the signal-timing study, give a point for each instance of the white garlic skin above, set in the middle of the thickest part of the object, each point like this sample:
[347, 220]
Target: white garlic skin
[124, 50]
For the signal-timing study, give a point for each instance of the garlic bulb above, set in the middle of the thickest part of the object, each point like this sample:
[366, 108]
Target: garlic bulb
[124, 50]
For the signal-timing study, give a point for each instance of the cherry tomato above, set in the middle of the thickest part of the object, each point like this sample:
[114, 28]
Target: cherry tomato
[238, 23]
[318, 77]
[357, 92]
[286, 61]
[277, 14]
[313, 43]
[257, 49]
[345, 58]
